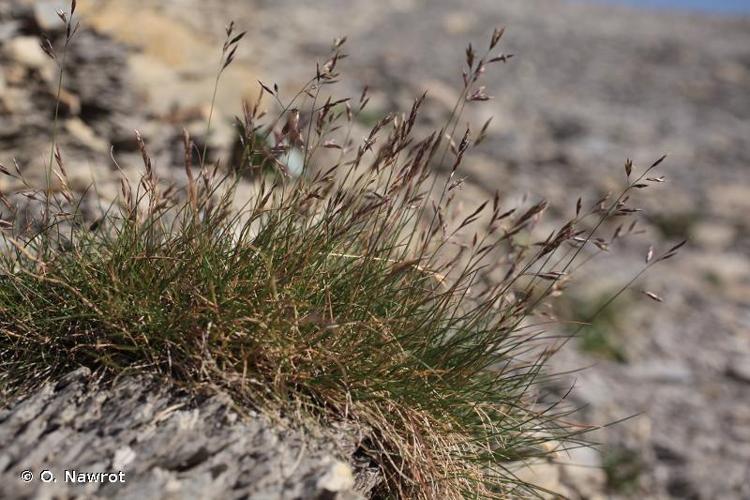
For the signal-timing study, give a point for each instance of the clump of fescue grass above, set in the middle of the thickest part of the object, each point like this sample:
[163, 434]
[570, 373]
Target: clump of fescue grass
[345, 293]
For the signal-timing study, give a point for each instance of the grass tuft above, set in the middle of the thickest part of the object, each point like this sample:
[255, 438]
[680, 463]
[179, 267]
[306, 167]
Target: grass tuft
[347, 292]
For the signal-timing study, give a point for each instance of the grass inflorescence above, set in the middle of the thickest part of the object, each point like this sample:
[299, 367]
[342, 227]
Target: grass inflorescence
[345, 293]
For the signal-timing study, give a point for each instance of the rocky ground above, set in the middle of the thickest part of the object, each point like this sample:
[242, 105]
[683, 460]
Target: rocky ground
[590, 85]
[168, 446]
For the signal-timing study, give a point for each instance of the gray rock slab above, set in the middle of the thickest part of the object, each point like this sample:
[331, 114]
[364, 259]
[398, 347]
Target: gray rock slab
[148, 441]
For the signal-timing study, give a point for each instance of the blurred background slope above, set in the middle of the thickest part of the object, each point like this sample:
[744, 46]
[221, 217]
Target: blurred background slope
[591, 84]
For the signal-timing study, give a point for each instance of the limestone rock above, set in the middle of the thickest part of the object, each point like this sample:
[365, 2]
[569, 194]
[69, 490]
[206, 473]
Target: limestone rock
[166, 444]
[45, 14]
[26, 51]
[739, 368]
[85, 135]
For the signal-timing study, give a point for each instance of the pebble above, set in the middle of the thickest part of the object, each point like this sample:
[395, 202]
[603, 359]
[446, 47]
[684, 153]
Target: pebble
[123, 456]
[726, 267]
[545, 475]
[85, 135]
[729, 199]
[26, 51]
[8, 30]
[714, 234]
[45, 14]
[664, 371]
[337, 478]
[458, 23]
[738, 369]
[582, 471]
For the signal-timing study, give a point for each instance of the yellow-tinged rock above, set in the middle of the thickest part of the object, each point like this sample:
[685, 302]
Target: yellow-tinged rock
[175, 64]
